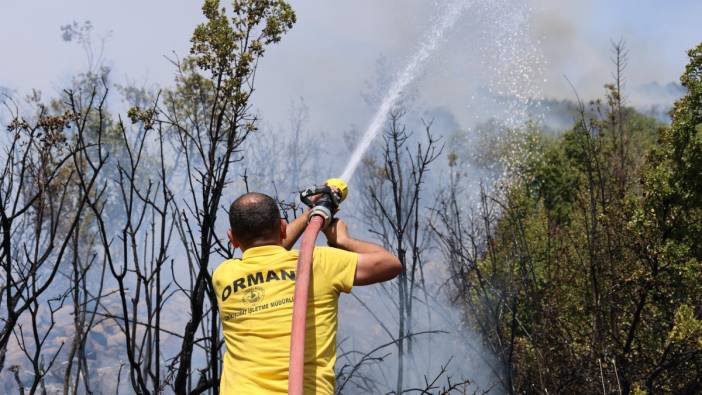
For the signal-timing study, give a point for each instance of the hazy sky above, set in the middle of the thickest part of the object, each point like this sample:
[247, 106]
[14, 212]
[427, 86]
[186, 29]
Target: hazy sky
[333, 52]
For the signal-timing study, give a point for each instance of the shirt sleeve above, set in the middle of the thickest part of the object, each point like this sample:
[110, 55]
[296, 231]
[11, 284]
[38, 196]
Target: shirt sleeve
[339, 267]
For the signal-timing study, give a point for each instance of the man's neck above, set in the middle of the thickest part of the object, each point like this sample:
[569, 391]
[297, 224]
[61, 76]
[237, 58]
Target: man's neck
[261, 243]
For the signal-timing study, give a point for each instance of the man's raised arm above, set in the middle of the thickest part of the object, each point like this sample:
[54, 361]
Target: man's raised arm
[375, 264]
[295, 228]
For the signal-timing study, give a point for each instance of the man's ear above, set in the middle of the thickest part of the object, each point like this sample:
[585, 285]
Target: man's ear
[232, 239]
[283, 229]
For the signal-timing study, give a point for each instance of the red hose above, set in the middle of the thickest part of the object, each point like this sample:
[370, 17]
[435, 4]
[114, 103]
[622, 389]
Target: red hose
[296, 369]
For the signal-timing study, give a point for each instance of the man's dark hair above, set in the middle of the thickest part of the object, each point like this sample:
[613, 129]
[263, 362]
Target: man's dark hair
[254, 216]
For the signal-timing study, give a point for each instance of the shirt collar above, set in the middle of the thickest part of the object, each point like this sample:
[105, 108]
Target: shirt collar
[263, 251]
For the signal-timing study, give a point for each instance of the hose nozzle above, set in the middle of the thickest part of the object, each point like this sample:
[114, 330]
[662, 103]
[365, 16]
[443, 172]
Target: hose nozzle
[333, 193]
[340, 185]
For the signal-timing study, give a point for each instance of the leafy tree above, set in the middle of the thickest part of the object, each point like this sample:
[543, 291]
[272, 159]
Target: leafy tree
[207, 116]
[668, 224]
[588, 280]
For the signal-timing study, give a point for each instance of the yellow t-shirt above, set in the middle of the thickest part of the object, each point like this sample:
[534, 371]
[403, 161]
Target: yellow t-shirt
[255, 296]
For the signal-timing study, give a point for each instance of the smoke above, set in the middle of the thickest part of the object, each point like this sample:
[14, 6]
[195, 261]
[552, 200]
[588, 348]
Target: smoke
[442, 340]
[576, 38]
[500, 57]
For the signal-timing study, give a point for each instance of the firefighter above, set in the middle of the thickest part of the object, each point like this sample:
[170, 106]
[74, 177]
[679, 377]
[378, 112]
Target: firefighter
[255, 296]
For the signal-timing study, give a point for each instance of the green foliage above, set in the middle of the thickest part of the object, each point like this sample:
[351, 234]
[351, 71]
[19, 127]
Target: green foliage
[551, 180]
[591, 277]
[673, 186]
[686, 327]
[229, 51]
[214, 84]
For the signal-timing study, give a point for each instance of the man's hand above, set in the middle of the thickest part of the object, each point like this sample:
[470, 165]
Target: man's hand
[375, 264]
[297, 226]
[337, 233]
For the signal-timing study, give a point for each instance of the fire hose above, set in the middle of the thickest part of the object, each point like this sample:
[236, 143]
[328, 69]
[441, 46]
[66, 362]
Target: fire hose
[323, 208]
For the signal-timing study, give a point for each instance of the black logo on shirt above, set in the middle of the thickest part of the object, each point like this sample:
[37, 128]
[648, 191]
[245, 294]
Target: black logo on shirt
[253, 295]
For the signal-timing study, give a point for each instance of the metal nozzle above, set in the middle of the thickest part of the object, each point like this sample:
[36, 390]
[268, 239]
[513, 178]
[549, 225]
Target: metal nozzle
[332, 193]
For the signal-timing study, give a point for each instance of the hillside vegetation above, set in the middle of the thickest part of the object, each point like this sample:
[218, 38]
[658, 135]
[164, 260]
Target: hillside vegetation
[583, 270]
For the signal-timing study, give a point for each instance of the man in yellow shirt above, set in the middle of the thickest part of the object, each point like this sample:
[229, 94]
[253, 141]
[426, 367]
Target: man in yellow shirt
[255, 296]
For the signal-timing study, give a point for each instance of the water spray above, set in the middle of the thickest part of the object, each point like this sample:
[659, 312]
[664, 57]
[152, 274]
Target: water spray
[335, 190]
[326, 203]
[403, 79]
